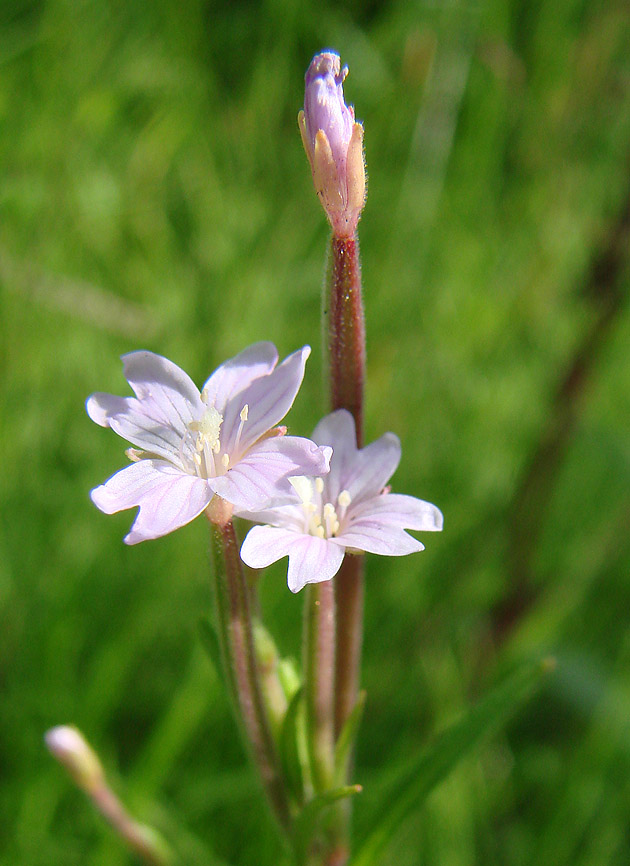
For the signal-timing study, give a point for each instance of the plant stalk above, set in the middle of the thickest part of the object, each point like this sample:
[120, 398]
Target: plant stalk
[236, 636]
[319, 682]
[346, 353]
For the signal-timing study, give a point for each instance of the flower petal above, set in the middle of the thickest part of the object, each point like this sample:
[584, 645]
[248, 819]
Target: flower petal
[157, 421]
[238, 373]
[395, 509]
[253, 482]
[164, 386]
[366, 474]
[373, 537]
[167, 497]
[311, 559]
[135, 421]
[338, 431]
[268, 399]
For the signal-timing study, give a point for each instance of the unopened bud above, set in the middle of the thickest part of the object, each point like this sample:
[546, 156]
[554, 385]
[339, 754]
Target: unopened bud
[68, 746]
[333, 142]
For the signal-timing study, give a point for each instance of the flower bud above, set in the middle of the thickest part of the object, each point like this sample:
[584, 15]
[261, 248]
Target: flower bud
[69, 747]
[333, 142]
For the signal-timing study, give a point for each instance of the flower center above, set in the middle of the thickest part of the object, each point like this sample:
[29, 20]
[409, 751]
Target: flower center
[322, 519]
[209, 457]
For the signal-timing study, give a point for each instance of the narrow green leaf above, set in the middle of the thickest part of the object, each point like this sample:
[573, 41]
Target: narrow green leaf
[427, 770]
[210, 641]
[289, 751]
[308, 818]
[348, 734]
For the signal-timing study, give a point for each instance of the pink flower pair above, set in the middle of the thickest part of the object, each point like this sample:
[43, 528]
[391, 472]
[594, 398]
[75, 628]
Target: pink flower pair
[318, 498]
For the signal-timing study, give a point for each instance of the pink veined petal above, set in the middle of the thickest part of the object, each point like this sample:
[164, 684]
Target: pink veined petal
[164, 386]
[337, 430]
[167, 498]
[268, 399]
[266, 544]
[253, 482]
[284, 516]
[311, 559]
[136, 422]
[167, 401]
[101, 407]
[396, 509]
[373, 537]
[296, 454]
[369, 470]
[238, 373]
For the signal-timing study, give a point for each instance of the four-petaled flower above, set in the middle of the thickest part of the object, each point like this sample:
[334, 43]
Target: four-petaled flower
[193, 446]
[347, 509]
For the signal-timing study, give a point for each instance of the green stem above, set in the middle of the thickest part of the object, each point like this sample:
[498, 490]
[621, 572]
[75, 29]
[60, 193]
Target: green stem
[349, 597]
[319, 681]
[236, 637]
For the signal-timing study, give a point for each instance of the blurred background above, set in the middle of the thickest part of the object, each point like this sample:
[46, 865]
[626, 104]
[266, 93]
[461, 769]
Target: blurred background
[154, 194]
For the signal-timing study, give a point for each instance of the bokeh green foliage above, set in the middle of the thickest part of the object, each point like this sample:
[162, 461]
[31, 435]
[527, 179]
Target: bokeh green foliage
[154, 195]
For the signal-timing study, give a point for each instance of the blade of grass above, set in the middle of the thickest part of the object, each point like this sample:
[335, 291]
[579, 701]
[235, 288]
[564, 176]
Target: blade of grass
[433, 765]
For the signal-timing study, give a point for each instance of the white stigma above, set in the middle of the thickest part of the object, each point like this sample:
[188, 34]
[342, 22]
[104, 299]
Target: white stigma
[303, 487]
[208, 429]
[206, 442]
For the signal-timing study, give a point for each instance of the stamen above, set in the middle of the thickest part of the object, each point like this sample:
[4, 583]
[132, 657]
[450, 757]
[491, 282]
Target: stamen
[243, 415]
[344, 499]
[135, 454]
[330, 519]
[225, 460]
[206, 441]
[319, 485]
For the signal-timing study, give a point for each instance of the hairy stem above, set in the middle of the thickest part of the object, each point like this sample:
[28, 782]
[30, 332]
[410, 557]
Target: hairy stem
[236, 637]
[346, 352]
[319, 679]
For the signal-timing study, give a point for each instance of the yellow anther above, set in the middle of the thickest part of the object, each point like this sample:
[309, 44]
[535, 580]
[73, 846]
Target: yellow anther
[344, 499]
[319, 485]
[319, 532]
[216, 446]
[197, 459]
[329, 510]
[244, 412]
[225, 460]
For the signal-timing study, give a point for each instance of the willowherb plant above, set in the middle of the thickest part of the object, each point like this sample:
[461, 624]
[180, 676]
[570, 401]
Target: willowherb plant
[322, 502]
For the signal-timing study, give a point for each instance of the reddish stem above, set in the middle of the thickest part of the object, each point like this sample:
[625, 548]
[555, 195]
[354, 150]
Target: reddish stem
[346, 330]
[346, 350]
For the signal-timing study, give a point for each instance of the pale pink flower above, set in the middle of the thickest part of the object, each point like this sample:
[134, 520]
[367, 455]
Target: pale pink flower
[192, 446]
[348, 509]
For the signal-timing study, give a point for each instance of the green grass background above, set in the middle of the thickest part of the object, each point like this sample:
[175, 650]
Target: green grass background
[154, 194]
